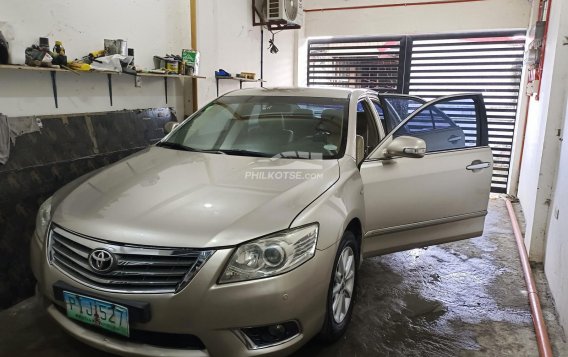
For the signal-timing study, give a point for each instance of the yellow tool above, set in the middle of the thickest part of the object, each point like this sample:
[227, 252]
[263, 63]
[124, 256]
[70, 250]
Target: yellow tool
[79, 66]
[97, 54]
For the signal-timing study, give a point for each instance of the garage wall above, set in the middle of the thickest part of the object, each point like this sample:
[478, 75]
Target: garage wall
[556, 264]
[542, 147]
[227, 39]
[542, 144]
[157, 27]
[543, 182]
[42, 161]
[405, 20]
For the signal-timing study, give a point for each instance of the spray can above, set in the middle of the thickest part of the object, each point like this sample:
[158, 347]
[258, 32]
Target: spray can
[58, 48]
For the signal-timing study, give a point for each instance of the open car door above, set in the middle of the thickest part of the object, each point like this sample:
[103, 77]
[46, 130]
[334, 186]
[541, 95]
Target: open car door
[394, 108]
[440, 197]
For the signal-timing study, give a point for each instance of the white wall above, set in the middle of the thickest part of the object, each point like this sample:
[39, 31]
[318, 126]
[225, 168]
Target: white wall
[150, 27]
[542, 145]
[404, 20]
[543, 183]
[556, 264]
[227, 39]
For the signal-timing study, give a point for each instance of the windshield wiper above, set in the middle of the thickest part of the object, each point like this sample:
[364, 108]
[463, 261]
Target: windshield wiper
[177, 146]
[240, 152]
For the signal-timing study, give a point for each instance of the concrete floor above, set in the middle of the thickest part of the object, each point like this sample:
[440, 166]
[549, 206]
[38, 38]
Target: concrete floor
[460, 299]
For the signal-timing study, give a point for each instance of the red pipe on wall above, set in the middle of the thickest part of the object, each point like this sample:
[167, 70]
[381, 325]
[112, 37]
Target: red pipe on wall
[542, 340]
[391, 5]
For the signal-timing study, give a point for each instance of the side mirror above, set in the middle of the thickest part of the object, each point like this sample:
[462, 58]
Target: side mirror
[406, 146]
[360, 149]
[170, 126]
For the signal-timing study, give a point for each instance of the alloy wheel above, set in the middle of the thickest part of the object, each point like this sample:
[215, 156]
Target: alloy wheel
[343, 284]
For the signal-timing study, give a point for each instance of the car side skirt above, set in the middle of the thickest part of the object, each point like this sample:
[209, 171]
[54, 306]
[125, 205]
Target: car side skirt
[422, 234]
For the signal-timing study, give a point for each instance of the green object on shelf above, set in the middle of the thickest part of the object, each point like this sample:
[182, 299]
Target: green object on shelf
[191, 59]
[189, 56]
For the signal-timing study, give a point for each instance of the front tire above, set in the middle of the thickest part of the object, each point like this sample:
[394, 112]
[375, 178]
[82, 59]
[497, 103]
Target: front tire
[342, 289]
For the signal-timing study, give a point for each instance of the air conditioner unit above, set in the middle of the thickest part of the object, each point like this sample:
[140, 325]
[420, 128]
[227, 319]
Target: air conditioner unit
[290, 12]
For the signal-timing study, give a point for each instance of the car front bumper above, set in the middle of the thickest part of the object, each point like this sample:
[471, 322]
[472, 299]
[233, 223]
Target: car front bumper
[205, 309]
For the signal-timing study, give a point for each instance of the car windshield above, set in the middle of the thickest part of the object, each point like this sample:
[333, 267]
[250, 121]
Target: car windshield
[266, 126]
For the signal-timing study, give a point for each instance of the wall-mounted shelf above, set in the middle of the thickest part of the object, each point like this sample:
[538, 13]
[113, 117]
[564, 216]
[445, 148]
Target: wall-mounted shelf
[144, 74]
[53, 71]
[29, 68]
[241, 80]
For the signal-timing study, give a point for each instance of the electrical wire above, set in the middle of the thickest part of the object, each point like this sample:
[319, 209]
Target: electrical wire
[272, 46]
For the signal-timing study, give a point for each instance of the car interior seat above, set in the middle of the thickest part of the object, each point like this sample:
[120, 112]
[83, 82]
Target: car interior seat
[330, 125]
[367, 131]
[270, 135]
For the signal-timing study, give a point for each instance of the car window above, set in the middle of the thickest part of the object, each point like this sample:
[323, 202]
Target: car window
[447, 125]
[440, 120]
[367, 127]
[422, 122]
[397, 109]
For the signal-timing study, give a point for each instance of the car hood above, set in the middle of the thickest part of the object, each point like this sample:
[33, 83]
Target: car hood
[164, 197]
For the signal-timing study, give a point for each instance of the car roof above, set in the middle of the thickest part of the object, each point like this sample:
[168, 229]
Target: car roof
[299, 92]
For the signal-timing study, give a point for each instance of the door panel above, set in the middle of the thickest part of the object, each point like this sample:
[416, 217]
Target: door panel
[405, 194]
[440, 197]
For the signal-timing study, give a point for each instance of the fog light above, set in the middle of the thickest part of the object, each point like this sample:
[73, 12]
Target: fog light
[269, 335]
[277, 331]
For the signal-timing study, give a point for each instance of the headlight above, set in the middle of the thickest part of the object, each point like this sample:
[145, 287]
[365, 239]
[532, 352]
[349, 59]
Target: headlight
[272, 255]
[43, 218]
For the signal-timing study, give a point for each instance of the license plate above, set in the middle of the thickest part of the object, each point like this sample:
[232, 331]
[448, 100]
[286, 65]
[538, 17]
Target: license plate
[106, 315]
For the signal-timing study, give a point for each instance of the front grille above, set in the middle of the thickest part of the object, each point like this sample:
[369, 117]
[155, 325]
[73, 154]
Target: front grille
[137, 269]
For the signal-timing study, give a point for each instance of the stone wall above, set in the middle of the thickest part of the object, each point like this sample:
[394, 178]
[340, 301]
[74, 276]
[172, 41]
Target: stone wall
[49, 152]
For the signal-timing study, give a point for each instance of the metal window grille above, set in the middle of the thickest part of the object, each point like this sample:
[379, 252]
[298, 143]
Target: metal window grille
[358, 63]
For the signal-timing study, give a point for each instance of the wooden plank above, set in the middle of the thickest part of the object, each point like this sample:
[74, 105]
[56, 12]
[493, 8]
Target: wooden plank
[241, 79]
[48, 69]
[167, 75]
[30, 68]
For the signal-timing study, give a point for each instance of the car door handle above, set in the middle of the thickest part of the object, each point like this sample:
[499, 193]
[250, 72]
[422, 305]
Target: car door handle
[477, 165]
[454, 139]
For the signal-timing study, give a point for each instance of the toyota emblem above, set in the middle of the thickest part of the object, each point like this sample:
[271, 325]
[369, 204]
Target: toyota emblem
[102, 261]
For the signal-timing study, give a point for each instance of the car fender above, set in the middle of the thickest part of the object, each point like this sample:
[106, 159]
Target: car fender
[336, 207]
